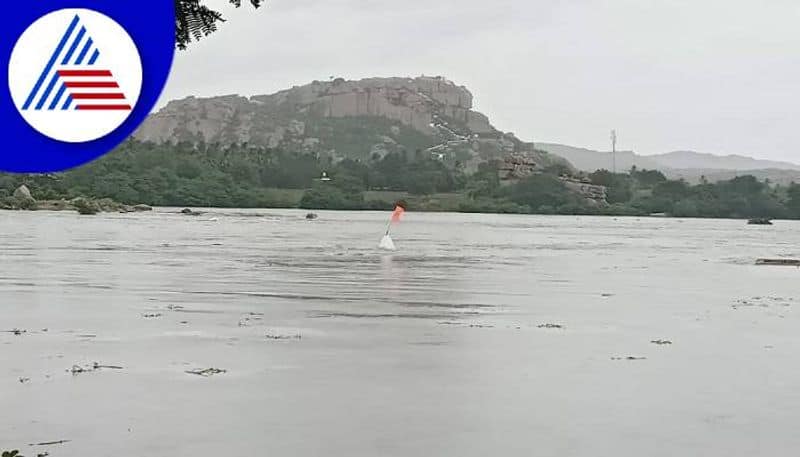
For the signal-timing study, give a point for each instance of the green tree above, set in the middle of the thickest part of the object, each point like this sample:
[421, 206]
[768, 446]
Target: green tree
[618, 185]
[647, 179]
[794, 200]
[671, 190]
[540, 190]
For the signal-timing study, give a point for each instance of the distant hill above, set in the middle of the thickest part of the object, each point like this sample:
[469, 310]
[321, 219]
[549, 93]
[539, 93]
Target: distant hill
[591, 160]
[688, 165]
[691, 159]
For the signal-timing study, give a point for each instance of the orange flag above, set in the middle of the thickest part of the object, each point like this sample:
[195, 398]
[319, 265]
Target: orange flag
[398, 213]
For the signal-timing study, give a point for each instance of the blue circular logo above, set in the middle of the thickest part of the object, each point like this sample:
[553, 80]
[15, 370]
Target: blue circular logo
[81, 79]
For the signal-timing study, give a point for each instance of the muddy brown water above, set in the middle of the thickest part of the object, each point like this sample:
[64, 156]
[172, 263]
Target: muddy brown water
[482, 335]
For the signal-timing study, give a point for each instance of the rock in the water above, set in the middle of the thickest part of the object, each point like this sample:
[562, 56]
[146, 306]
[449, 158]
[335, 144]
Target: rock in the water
[86, 207]
[53, 205]
[311, 216]
[142, 207]
[189, 212]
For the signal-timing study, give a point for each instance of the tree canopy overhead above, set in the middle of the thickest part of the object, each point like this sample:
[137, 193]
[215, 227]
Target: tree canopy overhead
[193, 20]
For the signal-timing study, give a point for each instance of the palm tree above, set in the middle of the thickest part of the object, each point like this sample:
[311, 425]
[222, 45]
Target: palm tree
[193, 20]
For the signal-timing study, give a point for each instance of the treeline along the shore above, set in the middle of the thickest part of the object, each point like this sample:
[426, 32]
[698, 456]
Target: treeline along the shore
[240, 176]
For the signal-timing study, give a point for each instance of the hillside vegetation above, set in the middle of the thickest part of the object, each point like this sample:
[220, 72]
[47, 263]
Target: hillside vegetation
[240, 176]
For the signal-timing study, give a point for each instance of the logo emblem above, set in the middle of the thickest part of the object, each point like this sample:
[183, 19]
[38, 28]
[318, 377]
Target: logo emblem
[75, 75]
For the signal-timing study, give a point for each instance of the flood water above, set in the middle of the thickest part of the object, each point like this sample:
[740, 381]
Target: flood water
[443, 348]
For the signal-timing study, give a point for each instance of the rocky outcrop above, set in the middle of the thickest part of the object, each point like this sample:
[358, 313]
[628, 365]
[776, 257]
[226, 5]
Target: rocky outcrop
[515, 167]
[592, 192]
[314, 118]
[23, 193]
[22, 199]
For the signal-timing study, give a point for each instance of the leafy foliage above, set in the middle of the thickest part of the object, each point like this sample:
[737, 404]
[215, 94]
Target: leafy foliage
[193, 20]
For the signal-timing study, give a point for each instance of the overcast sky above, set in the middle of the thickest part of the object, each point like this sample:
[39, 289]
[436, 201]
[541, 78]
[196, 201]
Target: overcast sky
[707, 75]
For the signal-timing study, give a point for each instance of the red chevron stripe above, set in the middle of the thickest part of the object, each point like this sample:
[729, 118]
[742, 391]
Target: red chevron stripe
[115, 96]
[104, 107]
[82, 73]
[91, 84]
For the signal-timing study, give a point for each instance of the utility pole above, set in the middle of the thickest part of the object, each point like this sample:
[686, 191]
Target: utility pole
[614, 151]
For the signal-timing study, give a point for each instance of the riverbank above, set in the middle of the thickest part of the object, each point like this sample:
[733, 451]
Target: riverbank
[374, 200]
[23, 200]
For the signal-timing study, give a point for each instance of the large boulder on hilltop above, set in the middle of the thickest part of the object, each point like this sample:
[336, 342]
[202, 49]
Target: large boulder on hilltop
[23, 193]
[24, 199]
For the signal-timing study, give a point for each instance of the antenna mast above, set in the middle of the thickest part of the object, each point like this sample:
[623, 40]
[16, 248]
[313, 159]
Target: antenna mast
[614, 150]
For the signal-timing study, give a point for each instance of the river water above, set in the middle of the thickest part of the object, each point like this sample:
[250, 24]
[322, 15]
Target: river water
[482, 335]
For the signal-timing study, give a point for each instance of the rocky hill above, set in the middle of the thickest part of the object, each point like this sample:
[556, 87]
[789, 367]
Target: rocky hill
[340, 119]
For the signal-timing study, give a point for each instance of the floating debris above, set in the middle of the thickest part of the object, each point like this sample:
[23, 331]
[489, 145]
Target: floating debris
[762, 302]
[311, 216]
[97, 366]
[206, 372]
[24, 380]
[630, 357]
[759, 221]
[283, 337]
[779, 262]
[174, 307]
[77, 369]
[151, 315]
[606, 295]
[550, 326]
[50, 443]
[661, 342]
[450, 323]
[245, 320]
[16, 331]
[480, 326]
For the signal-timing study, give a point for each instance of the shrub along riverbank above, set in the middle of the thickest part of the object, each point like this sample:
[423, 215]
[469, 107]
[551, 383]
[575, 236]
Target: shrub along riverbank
[181, 175]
